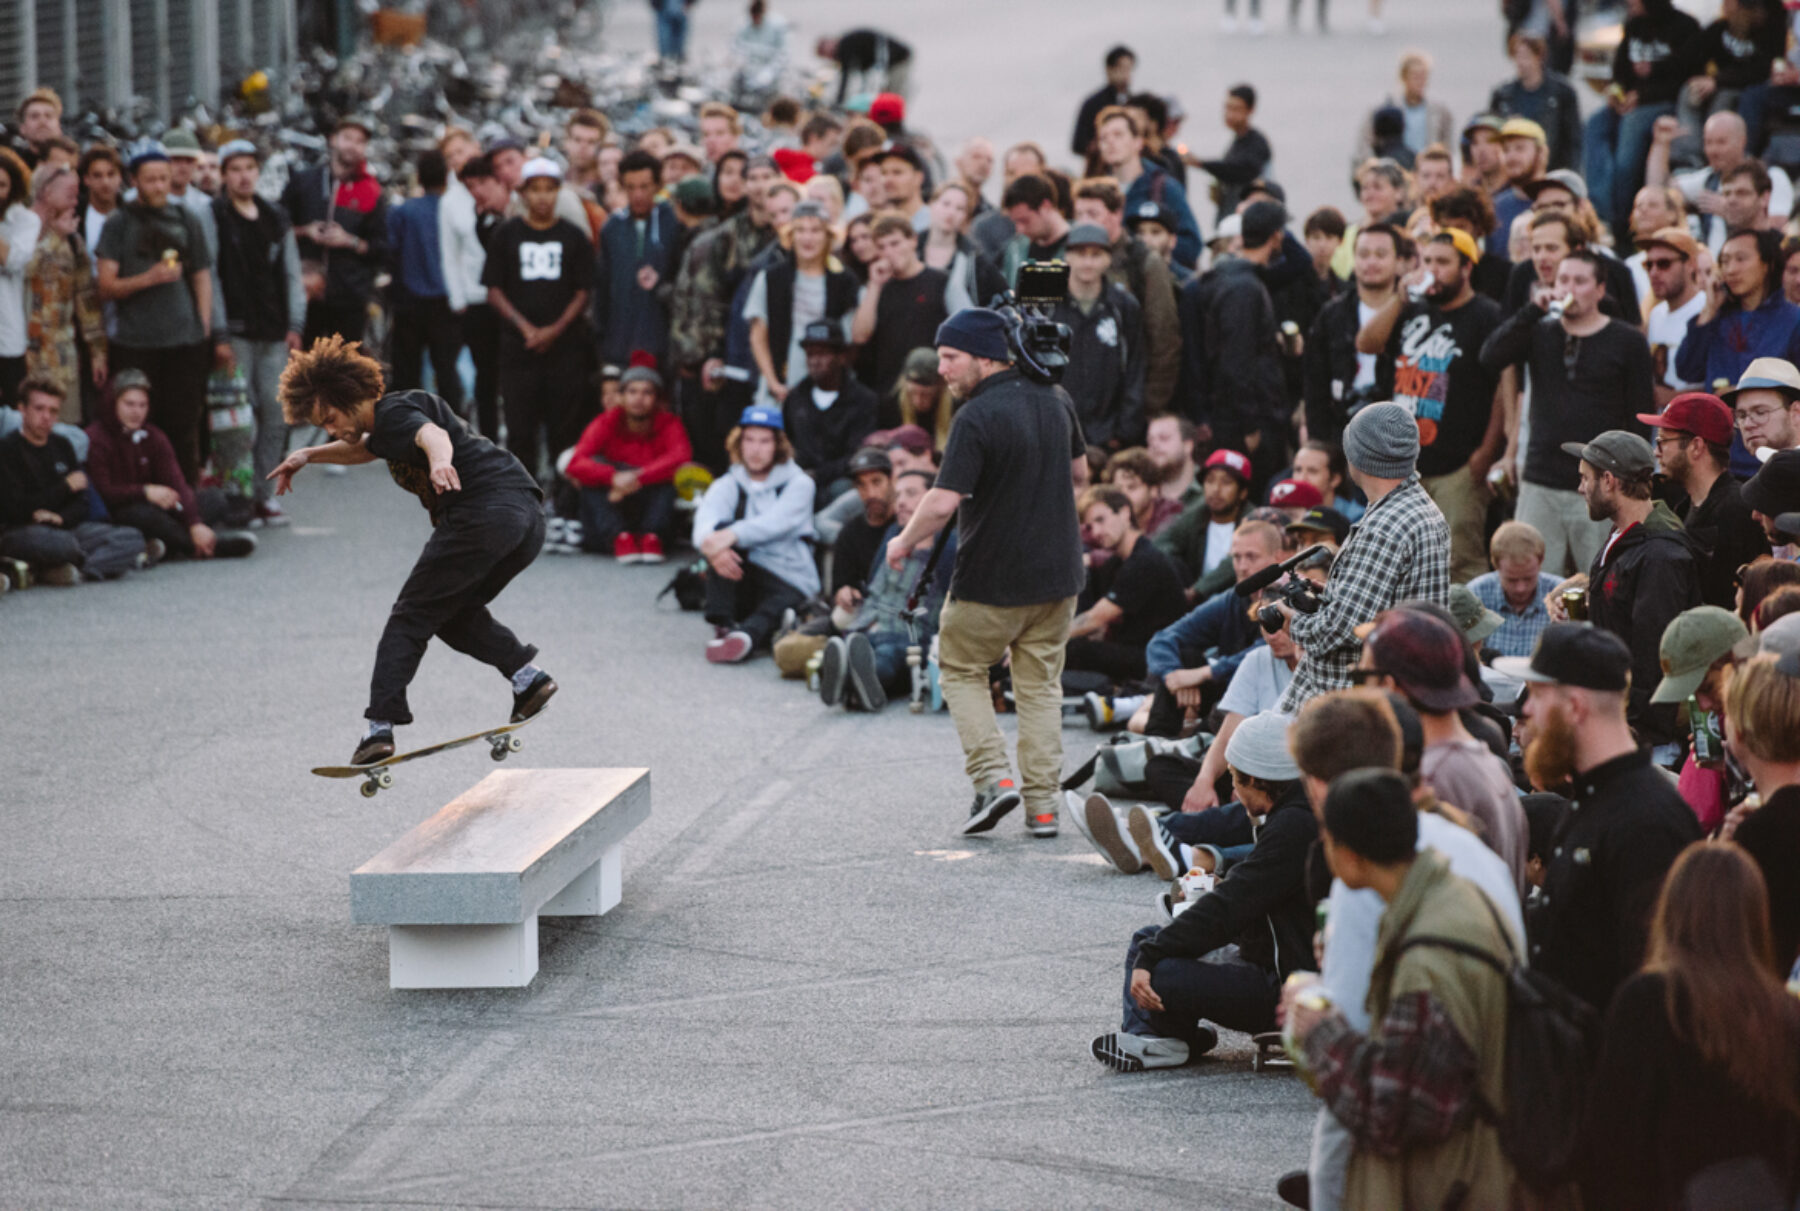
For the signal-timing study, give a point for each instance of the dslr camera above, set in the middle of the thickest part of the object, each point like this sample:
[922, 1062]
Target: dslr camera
[1040, 345]
[1300, 595]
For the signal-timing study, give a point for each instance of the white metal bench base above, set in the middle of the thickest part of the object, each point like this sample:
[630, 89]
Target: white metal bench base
[497, 956]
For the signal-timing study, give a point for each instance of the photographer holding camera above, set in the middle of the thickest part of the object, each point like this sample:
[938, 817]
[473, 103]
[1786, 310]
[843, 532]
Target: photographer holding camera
[1008, 477]
[1400, 551]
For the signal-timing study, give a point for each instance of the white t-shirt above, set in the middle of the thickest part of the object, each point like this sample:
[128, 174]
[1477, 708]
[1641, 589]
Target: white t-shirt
[809, 308]
[1218, 544]
[1709, 229]
[1665, 330]
[1258, 684]
[1365, 362]
[1353, 918]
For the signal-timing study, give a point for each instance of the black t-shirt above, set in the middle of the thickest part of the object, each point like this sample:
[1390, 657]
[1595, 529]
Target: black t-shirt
[1438, 375]
[1008, 455]
[483, 468]
[539, 272]
[1146, 586]
[906, 318]
[853, 554]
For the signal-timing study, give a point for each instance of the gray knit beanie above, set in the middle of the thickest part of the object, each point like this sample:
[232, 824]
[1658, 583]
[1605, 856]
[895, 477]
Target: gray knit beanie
[641, 374]
[1382, 440]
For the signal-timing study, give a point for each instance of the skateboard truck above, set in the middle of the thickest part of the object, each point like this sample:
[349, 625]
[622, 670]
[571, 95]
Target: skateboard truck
[378, 776]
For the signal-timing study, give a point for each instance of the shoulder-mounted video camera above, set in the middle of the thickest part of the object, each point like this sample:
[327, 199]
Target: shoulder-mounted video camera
[1040, 345]
[1301, 595]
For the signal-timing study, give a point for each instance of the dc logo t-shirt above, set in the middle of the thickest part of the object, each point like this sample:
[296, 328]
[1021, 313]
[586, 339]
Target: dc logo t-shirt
[540, 262]
[539, 271]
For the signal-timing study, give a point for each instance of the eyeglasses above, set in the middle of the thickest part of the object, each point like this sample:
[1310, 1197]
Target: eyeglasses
[1663, 263]
[1671, 439]
[1756, 416]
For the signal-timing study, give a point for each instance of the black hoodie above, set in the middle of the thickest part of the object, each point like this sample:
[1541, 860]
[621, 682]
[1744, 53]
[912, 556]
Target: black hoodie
[1649, 60]
[1636, 587]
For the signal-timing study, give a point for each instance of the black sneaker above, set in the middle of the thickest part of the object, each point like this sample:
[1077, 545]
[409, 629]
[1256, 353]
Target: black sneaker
[532, 701]
[865, 686]
[234, 544]
[834, 667]
[377, 746]
[1295, 1189]
[991, 806]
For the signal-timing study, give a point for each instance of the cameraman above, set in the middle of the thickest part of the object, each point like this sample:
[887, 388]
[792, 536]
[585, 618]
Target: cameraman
[1008, 476]
[1400, 551]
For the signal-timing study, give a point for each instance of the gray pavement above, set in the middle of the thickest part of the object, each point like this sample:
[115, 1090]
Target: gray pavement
[814, 992]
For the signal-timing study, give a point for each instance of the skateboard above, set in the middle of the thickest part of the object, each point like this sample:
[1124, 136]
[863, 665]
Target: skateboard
[1269, 1052]
[376, 776]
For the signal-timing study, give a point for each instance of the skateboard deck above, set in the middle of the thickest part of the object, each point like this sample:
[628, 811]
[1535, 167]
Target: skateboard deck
[501, 744]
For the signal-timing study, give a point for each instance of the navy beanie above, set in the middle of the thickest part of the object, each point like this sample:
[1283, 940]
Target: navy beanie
[977, 331]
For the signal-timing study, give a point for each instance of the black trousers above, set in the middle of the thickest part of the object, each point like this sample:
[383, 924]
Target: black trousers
[12, 373]
[425, 326]
[476, 549]
[177, 395]
[1123, 662]
[703, 416]
[753, 604]
[481, 333]
[1167, 715]
[545, 393]
[154, 522]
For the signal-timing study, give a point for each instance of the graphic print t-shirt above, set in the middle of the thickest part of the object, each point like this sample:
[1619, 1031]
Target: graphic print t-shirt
[1438, 376]
[538, 271]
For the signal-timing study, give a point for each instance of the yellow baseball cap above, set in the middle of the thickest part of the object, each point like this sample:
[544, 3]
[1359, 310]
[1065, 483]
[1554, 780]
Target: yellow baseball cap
[1464, 242]
[1523, 128]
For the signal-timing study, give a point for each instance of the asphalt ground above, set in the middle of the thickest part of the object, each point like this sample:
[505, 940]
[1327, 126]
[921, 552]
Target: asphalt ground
[814, 992]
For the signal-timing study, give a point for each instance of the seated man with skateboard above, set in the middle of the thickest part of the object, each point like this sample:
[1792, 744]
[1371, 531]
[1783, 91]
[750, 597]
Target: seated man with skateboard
[487, 521]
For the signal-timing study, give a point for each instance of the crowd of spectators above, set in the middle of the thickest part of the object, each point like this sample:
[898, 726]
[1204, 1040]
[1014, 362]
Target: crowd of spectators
[1522, 424]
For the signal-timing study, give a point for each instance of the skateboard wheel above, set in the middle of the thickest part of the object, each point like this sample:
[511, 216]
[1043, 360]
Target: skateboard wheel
[514, 744]
[498, 752]
[917, 708]
[369, 789]
[384, 779]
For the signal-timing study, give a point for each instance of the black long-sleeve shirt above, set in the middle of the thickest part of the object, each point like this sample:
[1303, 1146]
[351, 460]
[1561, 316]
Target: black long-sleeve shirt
[825, 438]
[36, 477]
[1580, 387]
[1638, 584]
[1650, 55]
[1245, 160]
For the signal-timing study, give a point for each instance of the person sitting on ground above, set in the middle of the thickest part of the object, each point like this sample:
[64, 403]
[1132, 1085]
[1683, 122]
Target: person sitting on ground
[1200, 539]
[133, 468]
[1322, 527]
[45, 516]
[1700, 1059]
[625, 463]
[1294, 498]
[859, 541]
[920, 400]
[1259, 918]
[1421, 657]
[753, 527]
[828, 413]
[1128, 599]
[908, 449]
[867, 665]
[1135, 473]
[1437, 1016]
[1334, 734]
[1516, 588]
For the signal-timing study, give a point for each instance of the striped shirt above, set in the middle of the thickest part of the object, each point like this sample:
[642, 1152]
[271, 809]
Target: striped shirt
[1399, 551]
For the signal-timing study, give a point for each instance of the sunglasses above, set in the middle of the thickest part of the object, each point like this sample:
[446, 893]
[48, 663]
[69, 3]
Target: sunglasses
[1662, 263]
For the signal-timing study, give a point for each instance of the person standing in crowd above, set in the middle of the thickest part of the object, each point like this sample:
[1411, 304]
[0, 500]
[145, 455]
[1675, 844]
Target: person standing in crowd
[1424, 121]
[753, 527]
[133, 469]
[1693, 451]
[1147, 278]
[945, 246]
[265, 305]
[901, 307]
[339, 212]
[20, 227]
[1033, 208]
[1014, 452]
[155, 265]
[1105, 377]
[1646, 573]
[40, 125]
[1399, 552]
[1542, 95]
[62, 307]
[1589, 373]
[102, 182]
[828, 414]
[625, 464]
[585, 133]
[1120, 62]
[1248, 157]
[539, 274]
[1435, 346]
[1725, 142]
[903, 184]
[420, 319]
[1672, 269]
[1627, 822]
[1338, 378]
[785, 300]
[488, 200]
[1119, 142]
[634, 272]
[1200, 539]
[461, 254]
[1231, 349]
[46, 520]
[1516, 589]
[1171, 440]
[1700, 1060]
[1766, 405]
[1646, 80]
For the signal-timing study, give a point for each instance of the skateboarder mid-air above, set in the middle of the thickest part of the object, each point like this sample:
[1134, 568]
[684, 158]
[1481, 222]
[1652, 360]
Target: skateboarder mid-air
[487, 522]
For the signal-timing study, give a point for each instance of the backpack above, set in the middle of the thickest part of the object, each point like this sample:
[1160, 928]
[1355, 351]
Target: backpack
[1552, 1040]
[1118, 766]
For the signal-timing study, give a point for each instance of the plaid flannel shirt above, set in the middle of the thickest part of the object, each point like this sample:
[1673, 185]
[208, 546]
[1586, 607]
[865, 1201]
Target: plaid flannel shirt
[1399, 551]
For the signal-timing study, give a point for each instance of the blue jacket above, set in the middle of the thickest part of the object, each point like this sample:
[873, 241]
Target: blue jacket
[413, 240]
[1725, 348]
[627, 316]
[1155, 184]
[1218, 632]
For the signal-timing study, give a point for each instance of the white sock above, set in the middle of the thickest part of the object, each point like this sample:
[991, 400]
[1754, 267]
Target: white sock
[1186, 853]
[521, 680]
[377, 726]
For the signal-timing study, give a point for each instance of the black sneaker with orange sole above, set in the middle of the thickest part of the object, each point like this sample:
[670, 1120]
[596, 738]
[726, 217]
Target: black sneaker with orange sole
[1041, 824]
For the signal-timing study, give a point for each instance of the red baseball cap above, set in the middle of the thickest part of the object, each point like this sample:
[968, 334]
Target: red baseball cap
[795, 164]
[1696, 412]
[887, 109]
[1230, 460]
[1295, 494]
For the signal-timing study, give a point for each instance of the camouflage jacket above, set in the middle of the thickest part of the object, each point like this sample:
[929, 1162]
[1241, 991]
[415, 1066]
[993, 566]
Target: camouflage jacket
[700, 310]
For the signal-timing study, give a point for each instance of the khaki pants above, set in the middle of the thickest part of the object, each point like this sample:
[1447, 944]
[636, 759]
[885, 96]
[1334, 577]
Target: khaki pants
[1571, 538]
[972, 639]
[1463, 500]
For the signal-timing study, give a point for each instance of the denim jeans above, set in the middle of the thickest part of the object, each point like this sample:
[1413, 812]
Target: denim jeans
[1616, 147]
[1219, 987]
[890, 662]
[262, 363]
[671, 28]
[646, 511]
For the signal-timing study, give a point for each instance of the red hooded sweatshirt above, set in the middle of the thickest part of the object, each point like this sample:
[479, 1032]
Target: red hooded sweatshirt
[121, 463]
[656, 454]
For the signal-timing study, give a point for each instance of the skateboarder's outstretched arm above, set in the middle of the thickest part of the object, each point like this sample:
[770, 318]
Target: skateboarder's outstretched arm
[341, 453]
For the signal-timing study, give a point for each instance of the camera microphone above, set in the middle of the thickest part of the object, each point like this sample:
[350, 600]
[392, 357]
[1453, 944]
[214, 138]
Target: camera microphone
[1252, 585]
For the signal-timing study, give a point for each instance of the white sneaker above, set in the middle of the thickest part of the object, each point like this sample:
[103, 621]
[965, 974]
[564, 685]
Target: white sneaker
[1103, 826]
[1137, 1052]
[1149, 840]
